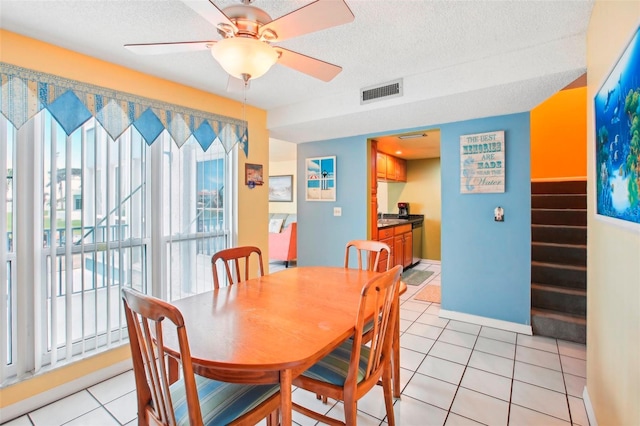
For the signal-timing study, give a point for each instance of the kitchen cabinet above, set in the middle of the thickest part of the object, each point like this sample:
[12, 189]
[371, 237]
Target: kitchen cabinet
[403, 245]
[400, 240]
[386, 236]
[401, 170]
[407, 249]
[381, 163]
[390, 168]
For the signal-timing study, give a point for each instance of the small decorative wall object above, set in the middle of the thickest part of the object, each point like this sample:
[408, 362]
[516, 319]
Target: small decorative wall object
[281, 188]
[253, 175]
[482, 163]
[320, 178]
[617, 134]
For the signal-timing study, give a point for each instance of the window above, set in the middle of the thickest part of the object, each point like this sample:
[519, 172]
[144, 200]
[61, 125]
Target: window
[96, 219]
[196, 219]
[89, 175]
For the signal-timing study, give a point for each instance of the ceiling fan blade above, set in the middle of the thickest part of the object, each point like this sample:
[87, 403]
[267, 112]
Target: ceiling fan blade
[314, 67]
[165, 48]
[209, 11]
[316, 16]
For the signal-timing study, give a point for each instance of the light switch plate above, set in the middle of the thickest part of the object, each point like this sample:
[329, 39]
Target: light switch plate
[337, 211]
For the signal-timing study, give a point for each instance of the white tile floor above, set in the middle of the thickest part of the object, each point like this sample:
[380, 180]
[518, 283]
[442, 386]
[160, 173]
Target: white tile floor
[453, 373]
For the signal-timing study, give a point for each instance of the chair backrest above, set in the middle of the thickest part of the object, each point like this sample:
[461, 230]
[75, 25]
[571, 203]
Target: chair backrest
[145, 317]
[231, 258]
[382, 293]
[368, 253]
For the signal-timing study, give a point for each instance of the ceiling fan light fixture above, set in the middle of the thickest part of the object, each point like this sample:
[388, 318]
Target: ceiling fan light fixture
[242, 56]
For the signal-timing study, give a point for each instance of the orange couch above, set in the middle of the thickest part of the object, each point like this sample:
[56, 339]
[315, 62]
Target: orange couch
[283, 245]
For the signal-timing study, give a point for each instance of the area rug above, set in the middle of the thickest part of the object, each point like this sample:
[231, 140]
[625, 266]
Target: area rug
[430, 293]
[414, 277]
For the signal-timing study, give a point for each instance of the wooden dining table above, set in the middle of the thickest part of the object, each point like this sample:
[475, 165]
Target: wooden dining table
[272, 328]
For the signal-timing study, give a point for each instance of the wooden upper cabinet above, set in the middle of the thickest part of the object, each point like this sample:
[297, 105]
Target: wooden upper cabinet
[390, 168]
[381, 165]
[401, 170]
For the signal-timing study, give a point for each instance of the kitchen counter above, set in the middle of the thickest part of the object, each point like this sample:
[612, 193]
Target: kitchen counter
[390, 220]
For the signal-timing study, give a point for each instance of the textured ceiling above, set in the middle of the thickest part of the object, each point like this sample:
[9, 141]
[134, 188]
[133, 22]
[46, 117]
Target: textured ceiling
[458, 60]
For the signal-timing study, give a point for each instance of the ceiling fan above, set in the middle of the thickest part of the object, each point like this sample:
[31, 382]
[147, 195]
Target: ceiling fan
[246, 51]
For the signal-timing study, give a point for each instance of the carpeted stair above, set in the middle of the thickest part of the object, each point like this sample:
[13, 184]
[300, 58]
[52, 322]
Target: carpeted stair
[559, 260]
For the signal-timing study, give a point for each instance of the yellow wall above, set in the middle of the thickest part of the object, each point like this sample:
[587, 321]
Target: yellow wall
[558, 132]
[613, 269]
[284, 168]
[422, 190]
[252, 204]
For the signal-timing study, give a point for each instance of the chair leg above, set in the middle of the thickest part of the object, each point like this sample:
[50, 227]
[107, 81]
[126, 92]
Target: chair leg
[388, 398]
[351, 413]
[395, 358]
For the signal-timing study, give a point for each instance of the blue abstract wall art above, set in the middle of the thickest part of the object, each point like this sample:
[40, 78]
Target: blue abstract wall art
[617, 131]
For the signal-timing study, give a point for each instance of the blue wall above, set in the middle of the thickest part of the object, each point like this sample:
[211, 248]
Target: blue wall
[322, 236]
[486, 265]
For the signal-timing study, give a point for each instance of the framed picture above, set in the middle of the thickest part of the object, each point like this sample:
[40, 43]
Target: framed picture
[281, 188]
[617, 136]
[320, 179]
[482, 163]
[253, 174]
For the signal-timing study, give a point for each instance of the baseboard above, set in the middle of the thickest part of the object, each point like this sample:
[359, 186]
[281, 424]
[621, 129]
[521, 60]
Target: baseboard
[488, 322]
[33, 403]
[591, 415]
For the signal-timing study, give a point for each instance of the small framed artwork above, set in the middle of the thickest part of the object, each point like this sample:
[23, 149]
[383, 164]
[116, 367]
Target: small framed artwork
[253, 174]
[320, 179]
[617, 144]
[281, 188]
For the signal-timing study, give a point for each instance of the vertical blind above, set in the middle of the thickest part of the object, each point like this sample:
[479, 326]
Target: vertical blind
[91, 176]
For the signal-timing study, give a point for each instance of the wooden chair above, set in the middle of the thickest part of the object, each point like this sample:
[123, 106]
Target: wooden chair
[190, 400]
[351, 370]
[231, 258]
[368, 253]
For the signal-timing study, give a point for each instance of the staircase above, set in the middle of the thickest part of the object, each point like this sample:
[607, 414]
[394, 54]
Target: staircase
[559, 260]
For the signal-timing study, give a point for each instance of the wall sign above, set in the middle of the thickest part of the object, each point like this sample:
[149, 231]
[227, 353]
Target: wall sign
[482, 163]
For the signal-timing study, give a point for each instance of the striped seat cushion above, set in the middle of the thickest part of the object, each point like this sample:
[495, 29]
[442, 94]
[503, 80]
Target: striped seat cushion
[367, 327]
[334, 367]
[220, 403]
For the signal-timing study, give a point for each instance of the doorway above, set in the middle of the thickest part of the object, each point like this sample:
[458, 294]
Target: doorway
[422, 188]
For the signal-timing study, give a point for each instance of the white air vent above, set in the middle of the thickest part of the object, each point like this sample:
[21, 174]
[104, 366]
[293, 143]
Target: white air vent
[379, 92]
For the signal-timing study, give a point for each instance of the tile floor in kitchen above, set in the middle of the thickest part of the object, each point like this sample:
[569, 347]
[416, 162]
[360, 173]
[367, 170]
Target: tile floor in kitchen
[453, 373]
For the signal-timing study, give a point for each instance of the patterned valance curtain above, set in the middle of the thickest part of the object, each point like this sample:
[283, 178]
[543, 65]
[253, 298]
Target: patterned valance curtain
[71, 103]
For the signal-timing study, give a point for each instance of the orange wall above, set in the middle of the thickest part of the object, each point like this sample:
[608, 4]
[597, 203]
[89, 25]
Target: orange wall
[558, 136]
